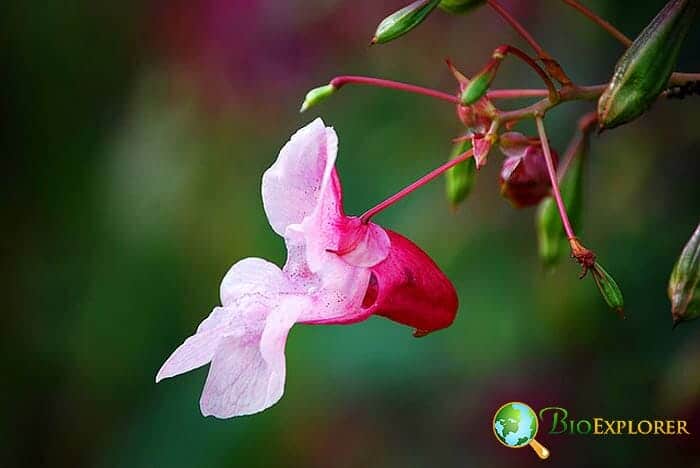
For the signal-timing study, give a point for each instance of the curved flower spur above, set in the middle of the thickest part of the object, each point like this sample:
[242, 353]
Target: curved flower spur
[339, 270]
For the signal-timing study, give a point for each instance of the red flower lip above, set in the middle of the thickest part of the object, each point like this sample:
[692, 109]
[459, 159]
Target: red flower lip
[409, 288]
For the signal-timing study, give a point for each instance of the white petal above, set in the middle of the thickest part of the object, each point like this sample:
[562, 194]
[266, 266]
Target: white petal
[371, 249]
[253, 280]
[218, 317]
[247, 373]
[196, 351]
[290, 186]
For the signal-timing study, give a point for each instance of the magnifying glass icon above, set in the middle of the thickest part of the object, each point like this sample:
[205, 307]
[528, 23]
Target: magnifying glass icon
[515, 425]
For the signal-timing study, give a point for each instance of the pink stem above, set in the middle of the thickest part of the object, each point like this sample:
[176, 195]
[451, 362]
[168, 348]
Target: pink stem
[583, 129]
[367, 215]
[340, 81]
[553, 179]
[518, 27]
[516, 93]
[612, 30]
[507, 49]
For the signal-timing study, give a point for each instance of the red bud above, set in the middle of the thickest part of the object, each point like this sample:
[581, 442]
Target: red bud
[524, 179]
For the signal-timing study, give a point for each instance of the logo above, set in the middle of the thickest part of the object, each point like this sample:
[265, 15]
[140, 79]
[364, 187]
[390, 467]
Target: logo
[515, 425]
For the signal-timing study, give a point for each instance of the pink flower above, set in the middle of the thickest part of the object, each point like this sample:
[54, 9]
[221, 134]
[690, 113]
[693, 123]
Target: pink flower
[524, 178]
[339, 270]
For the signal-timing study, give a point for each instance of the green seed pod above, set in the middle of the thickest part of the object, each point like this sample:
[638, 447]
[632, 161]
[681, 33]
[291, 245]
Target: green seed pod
[608, 289]
[460, 6]
[551, 238]
[317, 95]
[399, 23]
[642, 73]
[683, 288]
[459, 180]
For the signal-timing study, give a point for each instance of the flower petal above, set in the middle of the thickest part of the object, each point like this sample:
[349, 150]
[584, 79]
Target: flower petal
[362, 245]
[409, 288]
[482, 147]
[253, 280]
[513, 144]
[247, 372]
[336, 290]
[197, 350]
[290, 186]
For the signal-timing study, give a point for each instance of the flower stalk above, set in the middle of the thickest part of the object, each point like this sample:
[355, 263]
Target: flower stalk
[612, 30]
[369, 214]
[552, 66]
[340, 81]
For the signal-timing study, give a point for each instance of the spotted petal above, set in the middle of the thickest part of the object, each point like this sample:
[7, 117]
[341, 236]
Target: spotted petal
[248, 370]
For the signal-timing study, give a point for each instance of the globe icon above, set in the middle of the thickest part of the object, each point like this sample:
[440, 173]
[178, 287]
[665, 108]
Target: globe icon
[515, 425]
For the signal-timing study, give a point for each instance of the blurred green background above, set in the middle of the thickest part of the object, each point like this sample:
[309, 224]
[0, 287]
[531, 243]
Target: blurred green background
[134, 138]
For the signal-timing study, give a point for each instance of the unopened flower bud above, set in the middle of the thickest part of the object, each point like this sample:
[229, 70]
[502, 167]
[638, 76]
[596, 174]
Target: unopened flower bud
[477, 117]
[399, 23]
[479, 84]
[643, 71]
[524, 179]
[608, 289]
[683, 290]
[459, 180]
[460, 6]
[514, 144]
[317, 95]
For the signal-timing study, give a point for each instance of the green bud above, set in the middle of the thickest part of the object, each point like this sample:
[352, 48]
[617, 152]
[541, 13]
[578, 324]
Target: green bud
[460, 6]
[551, 238]
[459, 180]
[550, 242]
[399, 23]
[608, 289]
[479, 85]
[683, 288]
[317, 95]
[642, 73]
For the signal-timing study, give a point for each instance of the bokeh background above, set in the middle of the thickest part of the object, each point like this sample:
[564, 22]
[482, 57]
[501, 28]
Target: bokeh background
[134, 138]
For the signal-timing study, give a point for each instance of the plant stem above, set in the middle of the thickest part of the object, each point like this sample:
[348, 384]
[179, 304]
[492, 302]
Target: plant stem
[341, 81]
[367, 215]
[567, 93]
[553, 179]
[679, 78]
[583, 129]
[516, 93]
[515, 24]
[614, 32]
[553, 93]
[577, 93]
